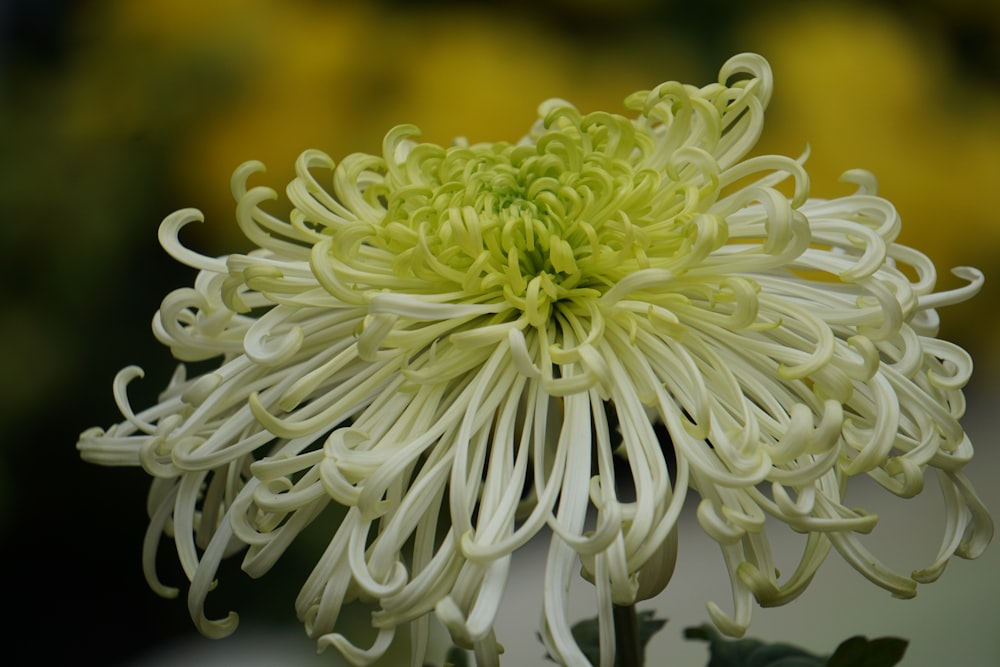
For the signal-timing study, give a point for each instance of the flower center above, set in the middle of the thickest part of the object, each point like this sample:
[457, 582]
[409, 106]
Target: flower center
[533, 225]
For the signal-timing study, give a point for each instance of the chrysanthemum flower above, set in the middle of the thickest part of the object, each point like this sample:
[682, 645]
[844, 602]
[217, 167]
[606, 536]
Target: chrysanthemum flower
[453, 345]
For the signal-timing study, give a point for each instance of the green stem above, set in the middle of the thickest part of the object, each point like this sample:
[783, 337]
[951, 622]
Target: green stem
[628, 652]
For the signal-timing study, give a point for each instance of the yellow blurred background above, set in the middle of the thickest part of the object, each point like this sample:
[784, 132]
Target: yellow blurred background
[113, 113]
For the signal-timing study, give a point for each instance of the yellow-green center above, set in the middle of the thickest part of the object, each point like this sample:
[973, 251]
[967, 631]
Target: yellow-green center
[529, 224]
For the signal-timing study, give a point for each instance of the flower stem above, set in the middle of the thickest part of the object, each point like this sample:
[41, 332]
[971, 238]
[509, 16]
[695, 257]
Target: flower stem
[628, 652]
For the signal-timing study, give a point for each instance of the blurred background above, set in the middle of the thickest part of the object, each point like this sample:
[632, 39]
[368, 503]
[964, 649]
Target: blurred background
[114, 113]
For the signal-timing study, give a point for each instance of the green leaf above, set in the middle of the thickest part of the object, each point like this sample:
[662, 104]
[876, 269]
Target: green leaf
[649, 626]
[751, 652]
[855, 652]
[587, 634]
[863, 652]
[456, 657]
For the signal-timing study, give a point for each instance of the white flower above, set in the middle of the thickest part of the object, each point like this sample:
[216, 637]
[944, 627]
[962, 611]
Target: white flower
[445, 348]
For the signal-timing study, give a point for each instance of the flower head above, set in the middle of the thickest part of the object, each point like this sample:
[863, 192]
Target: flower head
[448, 347]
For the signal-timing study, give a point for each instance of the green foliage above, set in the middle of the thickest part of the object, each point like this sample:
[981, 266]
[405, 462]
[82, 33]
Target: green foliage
[456, 657]
[751, 652]
[854, 652]
[586, 633]
[863, 652]
[648, 626]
